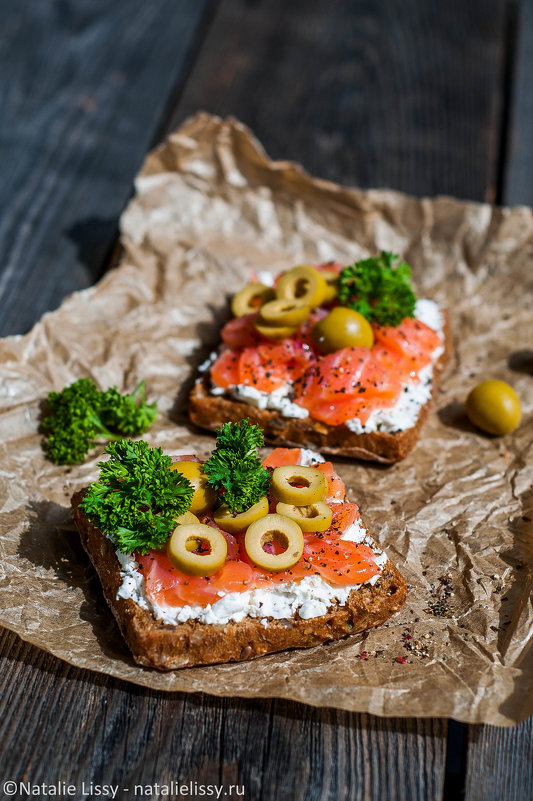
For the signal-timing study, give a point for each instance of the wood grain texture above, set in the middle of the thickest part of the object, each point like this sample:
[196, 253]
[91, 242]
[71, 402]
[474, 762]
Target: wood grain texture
[518, 159]
[405, 95]
[80, 726]
[499, 763]
[84, 89]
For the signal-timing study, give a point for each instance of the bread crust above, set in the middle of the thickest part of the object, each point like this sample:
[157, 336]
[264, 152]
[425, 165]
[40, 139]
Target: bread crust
[167, 647]
[210, 411]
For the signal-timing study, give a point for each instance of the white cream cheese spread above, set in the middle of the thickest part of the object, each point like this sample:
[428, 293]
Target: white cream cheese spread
[310, 597]
[277, 400]
[309, 457]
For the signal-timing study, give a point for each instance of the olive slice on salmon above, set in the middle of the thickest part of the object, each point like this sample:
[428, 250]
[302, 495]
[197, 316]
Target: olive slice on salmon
[314, 517]
[299, 485]
[283, 311]
[303, 283]
[332, 282]
[250, 298]
[274, 331]
[186, 518]
[204, 496]
[276, 531]
[233, 523]
[187, 539]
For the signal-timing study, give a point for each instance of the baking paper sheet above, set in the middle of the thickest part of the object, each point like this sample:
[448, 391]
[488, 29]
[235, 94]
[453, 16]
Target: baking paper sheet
[456, 515]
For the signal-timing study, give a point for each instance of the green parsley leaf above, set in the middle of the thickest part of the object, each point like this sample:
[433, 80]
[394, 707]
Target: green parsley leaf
[378, 289]
[235, 469]
[128, 414]
[80, 415]
[137, 498]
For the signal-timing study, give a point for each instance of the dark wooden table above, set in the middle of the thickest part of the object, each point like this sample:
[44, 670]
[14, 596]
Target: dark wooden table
[425, 96]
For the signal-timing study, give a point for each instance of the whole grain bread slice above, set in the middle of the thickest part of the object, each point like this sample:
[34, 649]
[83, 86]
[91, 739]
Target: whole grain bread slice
[210, 411]
[167, 647]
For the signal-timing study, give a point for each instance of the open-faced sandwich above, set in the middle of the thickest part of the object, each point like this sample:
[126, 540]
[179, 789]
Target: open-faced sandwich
[231, 558]
[345, 360]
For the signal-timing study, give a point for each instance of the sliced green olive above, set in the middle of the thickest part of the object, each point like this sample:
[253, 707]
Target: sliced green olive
[187, 538]
[274, 331]
[332, 282]
[186, 518]
[494, 407]
[274, 528]
[204, 497]
[250, 298]
[303, 283]
[314, 517]
[239, 522]
[342, 328]
[284, 312]
[299, 485]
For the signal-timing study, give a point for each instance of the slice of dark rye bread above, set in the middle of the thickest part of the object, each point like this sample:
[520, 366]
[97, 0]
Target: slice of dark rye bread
[210, 411]
[166, 647]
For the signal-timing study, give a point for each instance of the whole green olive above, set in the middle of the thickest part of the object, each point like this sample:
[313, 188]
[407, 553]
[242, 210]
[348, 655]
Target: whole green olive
[342, 328]
[494, 407]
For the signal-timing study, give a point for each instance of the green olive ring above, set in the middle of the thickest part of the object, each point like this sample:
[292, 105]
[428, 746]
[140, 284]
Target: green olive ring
[299, 485]
[272, 528]
[204, 496]
[314, 517]
[186, 519]
[291, 312]
[233, 523]
[250, 298]
[186, 539]
[332, 283]
[303, 283]
[274, 331]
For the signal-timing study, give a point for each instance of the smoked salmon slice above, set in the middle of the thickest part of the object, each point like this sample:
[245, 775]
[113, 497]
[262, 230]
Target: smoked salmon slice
[412, 340]
[334, 388]
[337, 561]
[225, 370]
[282, 456]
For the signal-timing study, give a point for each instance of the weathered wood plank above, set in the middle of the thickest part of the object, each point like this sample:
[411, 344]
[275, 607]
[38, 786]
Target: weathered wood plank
[406, 95]
[85, 727]
[518, 160]
[348, 756]
[85, 84]
[500, 761]
[364, 93]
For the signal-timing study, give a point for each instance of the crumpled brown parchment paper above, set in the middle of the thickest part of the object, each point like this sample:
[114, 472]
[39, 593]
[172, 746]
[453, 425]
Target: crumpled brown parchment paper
[456, 515]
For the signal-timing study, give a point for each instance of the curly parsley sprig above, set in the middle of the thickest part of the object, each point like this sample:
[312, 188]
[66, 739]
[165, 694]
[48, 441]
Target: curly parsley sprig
[378, 289]
[235, 469]
[81, 415]
[137, 498]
